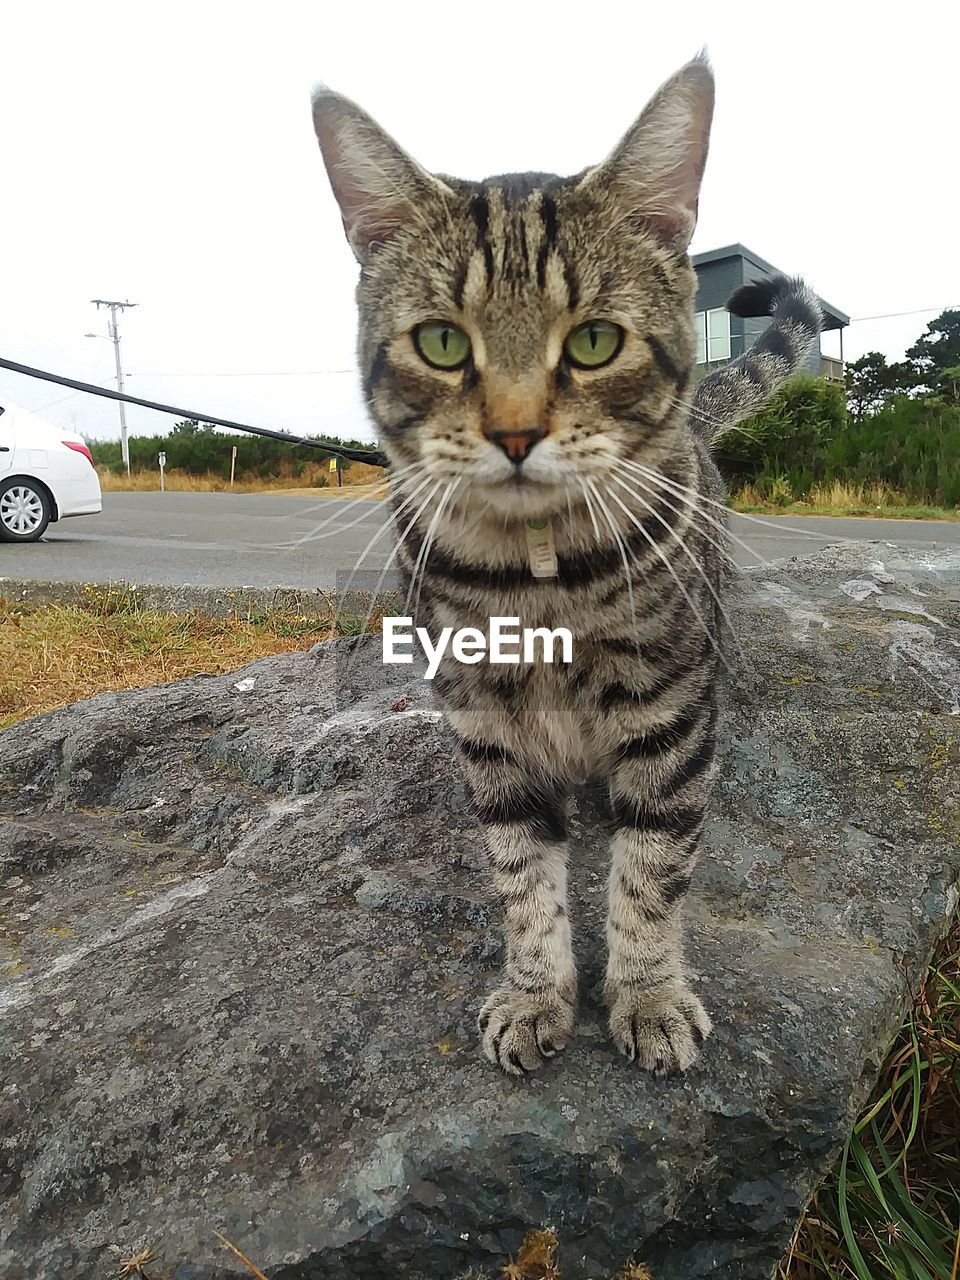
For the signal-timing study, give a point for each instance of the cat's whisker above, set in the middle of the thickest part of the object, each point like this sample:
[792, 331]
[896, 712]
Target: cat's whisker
[384, 528]
[742, 515]
[689, 403]
[658, 551]
[692, 498]
[681, 543]
[437, 485]
[692, 511]
[288, 543]
[617, 537]
[420, 566]
[390, 560]
[315, 534]
[748, 433]
[448, 497]
[720, 426]
[589, 506]
[695, 501]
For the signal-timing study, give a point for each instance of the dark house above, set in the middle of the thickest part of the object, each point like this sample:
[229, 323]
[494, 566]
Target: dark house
[721, 336]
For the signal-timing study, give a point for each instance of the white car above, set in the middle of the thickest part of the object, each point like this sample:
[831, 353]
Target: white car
[45, 474]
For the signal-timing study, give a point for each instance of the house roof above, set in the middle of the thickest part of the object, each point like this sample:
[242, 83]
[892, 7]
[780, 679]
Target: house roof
[832, 317]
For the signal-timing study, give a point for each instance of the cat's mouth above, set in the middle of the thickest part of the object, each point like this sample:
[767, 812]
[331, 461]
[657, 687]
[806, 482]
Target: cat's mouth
[520, 480]
[521, 496]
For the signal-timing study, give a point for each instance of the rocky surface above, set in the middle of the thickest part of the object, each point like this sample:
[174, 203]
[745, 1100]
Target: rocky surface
[248, 925]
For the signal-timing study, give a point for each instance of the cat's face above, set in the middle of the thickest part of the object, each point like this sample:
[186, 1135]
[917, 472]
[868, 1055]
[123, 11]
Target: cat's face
[524, 334]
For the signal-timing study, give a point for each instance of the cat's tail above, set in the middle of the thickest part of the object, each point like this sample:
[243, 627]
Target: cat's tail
[741, 388]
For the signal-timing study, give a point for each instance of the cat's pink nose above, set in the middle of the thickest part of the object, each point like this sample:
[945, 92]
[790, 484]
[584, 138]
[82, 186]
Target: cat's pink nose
[516, 444]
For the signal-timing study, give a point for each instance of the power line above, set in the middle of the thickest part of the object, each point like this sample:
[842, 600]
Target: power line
[246, 373]
[374, 456]
[315, 373]
[42, 408]
[893, 315]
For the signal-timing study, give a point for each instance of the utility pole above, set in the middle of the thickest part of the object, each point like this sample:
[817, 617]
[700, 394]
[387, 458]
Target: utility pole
[115, 337]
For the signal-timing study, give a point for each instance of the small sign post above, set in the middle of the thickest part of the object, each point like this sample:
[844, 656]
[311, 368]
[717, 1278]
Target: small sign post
[233, 464]
[335, 466]
[163, 463]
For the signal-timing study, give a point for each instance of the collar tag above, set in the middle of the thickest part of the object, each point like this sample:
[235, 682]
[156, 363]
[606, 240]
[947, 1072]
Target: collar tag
[541, 548]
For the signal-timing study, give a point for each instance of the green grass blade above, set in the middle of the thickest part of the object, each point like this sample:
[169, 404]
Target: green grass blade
[863, 1160]
[917, 1089]
[922, 1231]
[895, 1264]
[856, 1257]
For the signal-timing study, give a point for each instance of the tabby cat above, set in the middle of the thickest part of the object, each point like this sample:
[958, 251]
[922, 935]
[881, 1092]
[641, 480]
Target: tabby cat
[527, 346]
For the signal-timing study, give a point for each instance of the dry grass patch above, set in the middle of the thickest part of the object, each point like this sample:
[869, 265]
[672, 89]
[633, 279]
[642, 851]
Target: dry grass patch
[316, 481]
[55, 654]
[835, 499]
[312, 477]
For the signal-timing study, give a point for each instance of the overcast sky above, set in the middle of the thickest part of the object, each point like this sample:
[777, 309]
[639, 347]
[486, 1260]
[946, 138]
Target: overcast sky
[172, 161]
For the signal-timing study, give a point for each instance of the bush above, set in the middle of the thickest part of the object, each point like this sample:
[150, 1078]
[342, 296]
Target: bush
[201, 449]
[789, 437]
[804, 439]
[912, 445]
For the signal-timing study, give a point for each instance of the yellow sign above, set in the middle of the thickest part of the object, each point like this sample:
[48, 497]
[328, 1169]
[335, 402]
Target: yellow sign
[333, 464]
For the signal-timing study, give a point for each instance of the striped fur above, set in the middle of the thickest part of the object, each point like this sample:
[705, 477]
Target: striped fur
[625, 478]
[739, 389]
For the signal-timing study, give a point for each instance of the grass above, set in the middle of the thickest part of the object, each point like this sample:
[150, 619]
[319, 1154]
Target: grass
[890, 1208]
[836, 499]
[55, 654]
[312, 478]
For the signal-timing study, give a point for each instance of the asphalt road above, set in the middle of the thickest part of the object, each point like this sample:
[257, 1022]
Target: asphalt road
[271, 540]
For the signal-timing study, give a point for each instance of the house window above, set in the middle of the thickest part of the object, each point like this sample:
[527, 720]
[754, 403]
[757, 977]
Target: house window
[718, 334]
[712, 329]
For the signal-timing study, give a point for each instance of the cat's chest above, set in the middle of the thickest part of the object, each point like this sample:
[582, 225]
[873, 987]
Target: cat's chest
[532, 604]
[552, 713]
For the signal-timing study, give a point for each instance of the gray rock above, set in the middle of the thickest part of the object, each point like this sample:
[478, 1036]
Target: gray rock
[249, 924]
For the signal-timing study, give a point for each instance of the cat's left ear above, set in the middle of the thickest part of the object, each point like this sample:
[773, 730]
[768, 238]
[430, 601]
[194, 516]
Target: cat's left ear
[656, 169]
[378, 187]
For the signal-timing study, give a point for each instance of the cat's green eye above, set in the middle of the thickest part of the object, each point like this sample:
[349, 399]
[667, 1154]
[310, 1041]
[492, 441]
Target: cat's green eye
[593, 344]
[442, 345]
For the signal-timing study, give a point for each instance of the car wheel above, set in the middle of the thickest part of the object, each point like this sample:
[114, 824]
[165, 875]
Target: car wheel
[24, 510]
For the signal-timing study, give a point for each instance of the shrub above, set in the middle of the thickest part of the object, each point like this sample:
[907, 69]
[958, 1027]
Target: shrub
[199, 449]
[788, 438]
[805, 440]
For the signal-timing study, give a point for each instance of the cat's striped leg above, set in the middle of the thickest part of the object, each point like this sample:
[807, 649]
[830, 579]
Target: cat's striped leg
[530, 1016]
[659, 789]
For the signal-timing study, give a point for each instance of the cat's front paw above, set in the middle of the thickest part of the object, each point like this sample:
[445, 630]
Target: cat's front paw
[661, 1029]
[521, 1030]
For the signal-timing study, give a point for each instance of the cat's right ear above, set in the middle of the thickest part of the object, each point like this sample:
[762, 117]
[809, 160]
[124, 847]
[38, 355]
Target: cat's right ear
[378, 187]
[654, 173]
